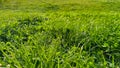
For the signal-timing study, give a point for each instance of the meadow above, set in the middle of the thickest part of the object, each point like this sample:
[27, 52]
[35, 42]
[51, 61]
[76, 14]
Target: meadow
[60, 33]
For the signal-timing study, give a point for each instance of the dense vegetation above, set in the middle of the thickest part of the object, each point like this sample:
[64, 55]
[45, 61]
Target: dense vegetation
[60, 34]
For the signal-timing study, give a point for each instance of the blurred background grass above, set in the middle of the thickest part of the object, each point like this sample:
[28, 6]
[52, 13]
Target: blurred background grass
[61, 5]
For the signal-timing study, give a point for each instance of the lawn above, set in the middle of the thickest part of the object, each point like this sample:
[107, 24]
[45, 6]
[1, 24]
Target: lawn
[60, 34]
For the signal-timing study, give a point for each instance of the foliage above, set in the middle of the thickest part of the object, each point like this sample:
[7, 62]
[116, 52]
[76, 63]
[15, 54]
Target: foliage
[57, 35]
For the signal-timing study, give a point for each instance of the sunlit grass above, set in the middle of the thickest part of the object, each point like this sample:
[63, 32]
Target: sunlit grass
[59, 34]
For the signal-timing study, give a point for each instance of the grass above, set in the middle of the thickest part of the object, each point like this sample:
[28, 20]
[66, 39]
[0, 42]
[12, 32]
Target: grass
[59, 34]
